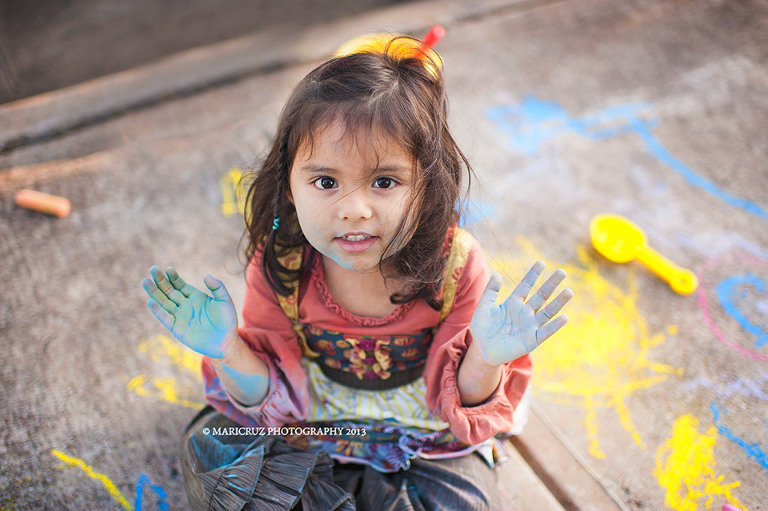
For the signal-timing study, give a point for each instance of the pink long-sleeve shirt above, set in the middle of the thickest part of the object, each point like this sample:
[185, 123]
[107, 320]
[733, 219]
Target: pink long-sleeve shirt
[269, 333]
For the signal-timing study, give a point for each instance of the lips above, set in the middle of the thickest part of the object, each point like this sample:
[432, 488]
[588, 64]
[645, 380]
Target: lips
[356, 242]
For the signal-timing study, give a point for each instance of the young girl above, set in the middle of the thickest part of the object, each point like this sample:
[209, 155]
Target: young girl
[370, 334]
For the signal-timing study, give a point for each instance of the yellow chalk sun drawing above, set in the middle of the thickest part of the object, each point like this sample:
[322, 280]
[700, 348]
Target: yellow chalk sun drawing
[685, 468]
[602, 356]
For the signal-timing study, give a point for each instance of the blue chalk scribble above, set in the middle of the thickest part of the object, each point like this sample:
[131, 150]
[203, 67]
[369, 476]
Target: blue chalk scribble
[534, 121]
[143, 480]
[733, 290]
[753, 450]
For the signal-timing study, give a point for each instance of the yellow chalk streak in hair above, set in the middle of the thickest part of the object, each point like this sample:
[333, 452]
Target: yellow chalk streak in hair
[395, 46]
[108, 484]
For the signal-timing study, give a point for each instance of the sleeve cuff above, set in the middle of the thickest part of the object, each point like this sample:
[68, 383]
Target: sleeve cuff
[477, 423]
[280, 406]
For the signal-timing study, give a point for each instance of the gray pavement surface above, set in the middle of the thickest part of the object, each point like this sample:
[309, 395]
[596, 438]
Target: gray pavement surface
[50, 45]
[653, 110]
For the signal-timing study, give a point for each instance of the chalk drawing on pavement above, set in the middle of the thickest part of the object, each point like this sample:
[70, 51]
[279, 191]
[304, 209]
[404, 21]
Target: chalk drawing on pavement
[143, 481]
[534, 121]
[109, 486]
[167, 351]
[749, 397]
[112, 489]
[753, 450]
[741, 388]
[738, 314]
[685, 469]
[603, 355]
[733, 292]
[232, 192]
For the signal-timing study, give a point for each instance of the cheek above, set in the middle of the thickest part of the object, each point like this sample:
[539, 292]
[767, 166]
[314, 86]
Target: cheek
[300, 202]
[400, 209]
[305, 221]
[309, 216]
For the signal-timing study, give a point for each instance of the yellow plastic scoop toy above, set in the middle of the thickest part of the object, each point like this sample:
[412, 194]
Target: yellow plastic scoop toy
[621, 241]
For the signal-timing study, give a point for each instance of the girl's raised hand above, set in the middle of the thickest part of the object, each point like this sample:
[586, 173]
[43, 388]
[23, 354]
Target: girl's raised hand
[516, 327]
[205, 324]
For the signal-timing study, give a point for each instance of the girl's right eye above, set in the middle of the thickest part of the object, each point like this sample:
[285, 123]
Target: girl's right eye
[325, 183]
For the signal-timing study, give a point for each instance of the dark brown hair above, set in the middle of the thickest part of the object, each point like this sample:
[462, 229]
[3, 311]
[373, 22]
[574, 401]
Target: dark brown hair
[391, 92]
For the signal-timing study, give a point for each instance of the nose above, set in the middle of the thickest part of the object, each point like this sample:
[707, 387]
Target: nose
[356, 205]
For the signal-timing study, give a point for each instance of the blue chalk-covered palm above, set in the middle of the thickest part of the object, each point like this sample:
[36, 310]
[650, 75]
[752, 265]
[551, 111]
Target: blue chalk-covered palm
[206, 324]
[520, 324]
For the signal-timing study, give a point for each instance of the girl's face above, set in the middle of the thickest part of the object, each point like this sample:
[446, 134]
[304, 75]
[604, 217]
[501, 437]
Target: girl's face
[350, 195]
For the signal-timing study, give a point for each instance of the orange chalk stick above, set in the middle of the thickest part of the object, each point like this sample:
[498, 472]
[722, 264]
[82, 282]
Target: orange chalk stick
[434, 35]
[43, 202]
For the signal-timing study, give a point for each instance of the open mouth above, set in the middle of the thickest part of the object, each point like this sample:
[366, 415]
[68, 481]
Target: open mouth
[356, 242]
[356, 237]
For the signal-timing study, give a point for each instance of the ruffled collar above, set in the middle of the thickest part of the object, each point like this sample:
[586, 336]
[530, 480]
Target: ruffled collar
[318, 277]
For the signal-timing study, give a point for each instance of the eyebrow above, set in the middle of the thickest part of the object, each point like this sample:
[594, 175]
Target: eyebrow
[392, 168]
[321, 169]
[316, 169]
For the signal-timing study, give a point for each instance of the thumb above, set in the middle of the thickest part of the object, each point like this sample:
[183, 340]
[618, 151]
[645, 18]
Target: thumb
[217, 288]
[492, 290]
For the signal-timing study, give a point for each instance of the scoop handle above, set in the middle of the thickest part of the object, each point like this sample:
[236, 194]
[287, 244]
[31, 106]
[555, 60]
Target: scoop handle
[681, 280]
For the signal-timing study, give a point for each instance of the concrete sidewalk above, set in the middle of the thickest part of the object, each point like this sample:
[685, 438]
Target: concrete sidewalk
[46, 47]
[652, 110]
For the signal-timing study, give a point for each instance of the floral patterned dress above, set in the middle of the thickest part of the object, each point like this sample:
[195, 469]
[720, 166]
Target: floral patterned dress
[381, 428]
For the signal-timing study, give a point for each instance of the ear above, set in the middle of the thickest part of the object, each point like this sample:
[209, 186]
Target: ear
[289, 195]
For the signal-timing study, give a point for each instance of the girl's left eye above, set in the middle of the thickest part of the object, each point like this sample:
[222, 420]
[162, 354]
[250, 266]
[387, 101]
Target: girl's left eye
[384, 182]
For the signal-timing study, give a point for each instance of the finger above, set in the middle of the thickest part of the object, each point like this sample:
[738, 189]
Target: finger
[553, 308]
[178, 283]
[162, 282]
[492, 289]
[525, 285]
[545, 332]
[546, 290]
[158, 296]
[217, 288]
[165, 317]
